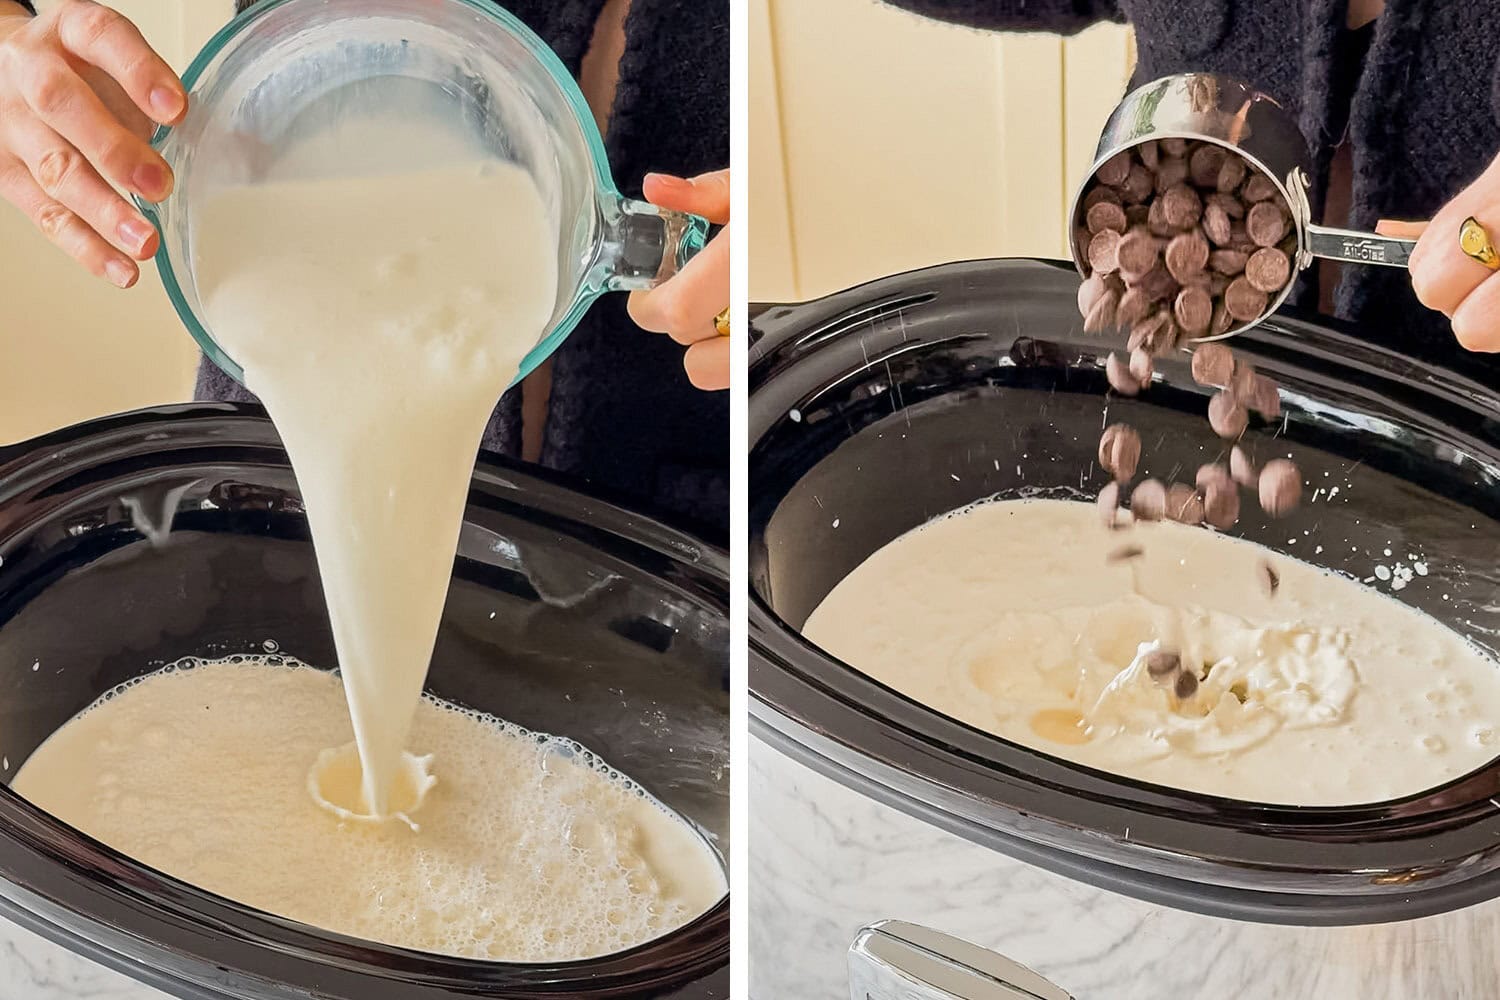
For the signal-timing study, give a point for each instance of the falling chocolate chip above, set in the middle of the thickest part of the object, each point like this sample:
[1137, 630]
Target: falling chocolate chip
[1135, 305]
[1185, 686]
[1162, 663]
[1106, 215]
[1138, 185]
[1212, 473]
[1186, 257]
[1090, 290]
[1137, 253]
[1107, 443]
[1184, 504]
[1213, 364]
[1280, 487]
[1265, 398]
[1270, 580]
[1221, 503]
[1125, 553]
[1204, 164]
[1243, 300]
[1158, 283]
[1241, 469]
[1231, 173]
[1125, 454]
[1217, 225]
[1101, 315]
[1181, 206]
[1114, 170]
[1148, 501]
[1268, 269]
[1109, 505]
[1242, 382]
[1258, 187]
[1149, 333]
[1227, 416]
[1118, 372]
[1104, 252]
[1222, 322]
[1193, 310]
[1230, 262]
[1142, 367]
[1265, 224]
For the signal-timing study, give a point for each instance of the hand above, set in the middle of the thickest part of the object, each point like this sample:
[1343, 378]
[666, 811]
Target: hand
[1447, 279]
[684, 306]
[79, 90]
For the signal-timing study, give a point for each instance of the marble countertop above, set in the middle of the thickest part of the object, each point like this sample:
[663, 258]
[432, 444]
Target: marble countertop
[33, 968]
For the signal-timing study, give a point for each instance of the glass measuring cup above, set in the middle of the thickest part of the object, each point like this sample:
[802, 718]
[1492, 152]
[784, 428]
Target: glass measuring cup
[278, 72]
[1209, 108]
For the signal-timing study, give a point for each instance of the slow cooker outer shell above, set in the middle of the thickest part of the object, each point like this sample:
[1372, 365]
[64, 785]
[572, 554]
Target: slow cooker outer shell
[950, 338]
[73, 890]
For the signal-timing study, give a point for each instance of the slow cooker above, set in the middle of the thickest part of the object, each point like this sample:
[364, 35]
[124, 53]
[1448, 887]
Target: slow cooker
[137, 540]
[878, 408]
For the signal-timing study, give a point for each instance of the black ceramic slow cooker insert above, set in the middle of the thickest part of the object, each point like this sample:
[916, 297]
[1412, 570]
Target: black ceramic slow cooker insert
[142, 539]
[878, 408]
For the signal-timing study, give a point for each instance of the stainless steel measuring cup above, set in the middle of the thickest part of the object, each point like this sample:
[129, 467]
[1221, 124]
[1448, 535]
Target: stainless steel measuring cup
[1228, 113]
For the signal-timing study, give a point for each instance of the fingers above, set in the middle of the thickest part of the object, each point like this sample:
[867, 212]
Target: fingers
[65, 103]
[707, 364]
[685, 306]
[1441, 273]
[1476, 321]
[65, 176]
[64, 228]
[108, 40]
[706, 195]
[1400, 230]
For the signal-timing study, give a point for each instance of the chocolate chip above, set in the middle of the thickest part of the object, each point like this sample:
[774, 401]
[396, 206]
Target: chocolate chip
[1185, 686]
[1218, 283]
[1114, 170]
[1174, 147]
[1148, 153]
[1138, 252]
[1125, 454]
[1162, 662]
[1089, 292]
[1242, 382]
[1125, 553]
[1265, 224]
[1204, 164]
[1104, 251]
[1118, 373]
[1142, 367]
[1227, 416]
[1222, 322]
[1231, 173]
[1230, 262]
[1156, 219]
[1149, 333]
[1217, 224]
[1100, 194]
[1212, 473]
[1137, 215]
[1107, 443]
[1148, 501]
[1280, 487]
[1270, 580]
[1170, 338]
[1193, 309]
[1243, 300]
[1135, 305]
[1213, 364]
[1268, 269]
[1184, 504]
[1186, 257]
[1138, 184]
[1221, 503]
[1109, 505]
[1170, 172]
[1265, 398]
[1102, 313]
[1227, 203]
[1241, 469]
[1258, 187]
[1106, 215]
[1158, 283]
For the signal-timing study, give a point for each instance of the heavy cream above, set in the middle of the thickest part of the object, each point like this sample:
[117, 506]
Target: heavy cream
[1008, 616]
[530, 848]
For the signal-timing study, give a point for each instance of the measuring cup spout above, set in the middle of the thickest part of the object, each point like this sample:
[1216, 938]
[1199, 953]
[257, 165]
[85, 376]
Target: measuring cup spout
[642, 245]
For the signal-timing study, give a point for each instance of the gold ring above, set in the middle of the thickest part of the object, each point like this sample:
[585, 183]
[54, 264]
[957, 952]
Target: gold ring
[721, 322]
[1477, 244]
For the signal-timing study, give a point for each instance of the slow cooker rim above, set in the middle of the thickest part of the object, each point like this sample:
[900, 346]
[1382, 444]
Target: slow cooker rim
[794, 331]
[30, 839]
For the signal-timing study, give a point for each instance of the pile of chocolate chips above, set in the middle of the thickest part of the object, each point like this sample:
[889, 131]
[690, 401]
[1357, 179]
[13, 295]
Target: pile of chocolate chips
[1181, 240]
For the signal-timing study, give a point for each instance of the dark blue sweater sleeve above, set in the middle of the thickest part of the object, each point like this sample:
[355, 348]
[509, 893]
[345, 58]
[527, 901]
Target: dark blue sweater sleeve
[1062, 16]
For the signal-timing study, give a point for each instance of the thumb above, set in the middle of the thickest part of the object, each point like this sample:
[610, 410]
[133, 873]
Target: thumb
[1400, 230]
[706, 195]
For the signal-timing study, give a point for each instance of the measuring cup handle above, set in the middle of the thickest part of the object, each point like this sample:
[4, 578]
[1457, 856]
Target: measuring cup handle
[644, 245]
[1360, 248]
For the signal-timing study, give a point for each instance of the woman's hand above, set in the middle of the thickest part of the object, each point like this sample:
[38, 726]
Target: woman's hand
[684, 306]
[79, 89]
[1447, 279]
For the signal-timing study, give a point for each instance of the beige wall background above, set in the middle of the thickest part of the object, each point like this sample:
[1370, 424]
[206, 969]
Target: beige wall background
[72, 346]
[882, 141]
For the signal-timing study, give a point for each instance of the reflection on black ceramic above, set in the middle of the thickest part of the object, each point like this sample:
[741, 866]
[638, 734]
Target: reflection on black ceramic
[143, 539]
[889, 404]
